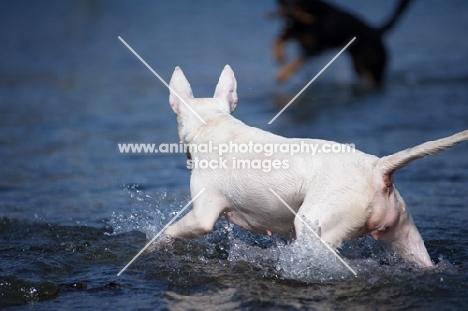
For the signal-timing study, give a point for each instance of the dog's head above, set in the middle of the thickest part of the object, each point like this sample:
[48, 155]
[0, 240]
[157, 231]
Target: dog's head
[195, 112]
[182, 100]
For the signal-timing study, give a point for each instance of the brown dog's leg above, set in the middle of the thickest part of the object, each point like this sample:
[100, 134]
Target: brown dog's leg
[278, 50]
[287, 71]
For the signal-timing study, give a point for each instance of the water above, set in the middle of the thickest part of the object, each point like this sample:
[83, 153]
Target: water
[74, 211]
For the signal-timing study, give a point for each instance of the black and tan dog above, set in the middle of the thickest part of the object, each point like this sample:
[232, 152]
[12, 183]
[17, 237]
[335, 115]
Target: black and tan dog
[319, 26]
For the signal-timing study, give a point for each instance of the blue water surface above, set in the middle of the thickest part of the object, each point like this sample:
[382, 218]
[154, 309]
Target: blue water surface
[74, 210]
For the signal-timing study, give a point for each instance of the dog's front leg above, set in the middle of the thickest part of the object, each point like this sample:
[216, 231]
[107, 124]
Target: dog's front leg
[278, 50]
[200, 220]
[290, 68]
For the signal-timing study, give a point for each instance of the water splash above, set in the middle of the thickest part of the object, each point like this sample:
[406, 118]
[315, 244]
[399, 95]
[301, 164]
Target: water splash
[149, 213]
[276, 256]
[308, 261]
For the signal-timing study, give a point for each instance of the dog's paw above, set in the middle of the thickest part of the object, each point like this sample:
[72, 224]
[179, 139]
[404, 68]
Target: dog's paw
[161, 243]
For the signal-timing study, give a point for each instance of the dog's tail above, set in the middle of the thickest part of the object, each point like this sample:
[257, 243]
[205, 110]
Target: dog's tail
[389, 164]
[402, 6]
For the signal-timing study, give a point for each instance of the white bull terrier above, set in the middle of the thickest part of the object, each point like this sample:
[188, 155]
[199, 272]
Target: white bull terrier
[347, 194]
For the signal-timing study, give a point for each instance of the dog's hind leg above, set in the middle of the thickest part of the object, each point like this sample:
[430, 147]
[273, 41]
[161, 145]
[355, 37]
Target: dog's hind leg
[332, 223]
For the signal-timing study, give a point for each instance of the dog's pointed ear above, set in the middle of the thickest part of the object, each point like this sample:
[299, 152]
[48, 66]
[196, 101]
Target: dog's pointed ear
[180, 90]
[227, 88]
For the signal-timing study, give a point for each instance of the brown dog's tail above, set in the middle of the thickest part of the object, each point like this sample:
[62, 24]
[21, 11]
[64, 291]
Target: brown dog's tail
[389, 164]
[402, 6]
